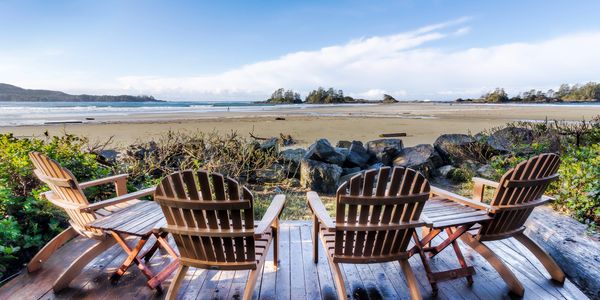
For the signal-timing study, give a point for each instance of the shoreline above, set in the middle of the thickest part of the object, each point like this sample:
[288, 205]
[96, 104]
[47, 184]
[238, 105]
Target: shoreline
[422, 122]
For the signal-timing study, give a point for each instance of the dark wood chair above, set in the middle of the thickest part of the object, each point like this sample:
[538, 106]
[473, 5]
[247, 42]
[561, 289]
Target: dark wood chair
[211, 220]
[519, 191]
[377, 212]
[67, 193]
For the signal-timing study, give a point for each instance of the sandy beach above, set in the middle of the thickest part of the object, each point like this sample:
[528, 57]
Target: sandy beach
[422, 122]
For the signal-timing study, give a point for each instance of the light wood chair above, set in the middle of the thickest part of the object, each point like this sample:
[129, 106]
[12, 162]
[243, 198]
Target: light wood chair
[377, 212]
[519, 191]
[67, 193]
[212, 222]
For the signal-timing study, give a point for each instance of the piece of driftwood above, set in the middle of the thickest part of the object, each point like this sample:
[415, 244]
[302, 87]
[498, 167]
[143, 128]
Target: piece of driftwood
[398, 134]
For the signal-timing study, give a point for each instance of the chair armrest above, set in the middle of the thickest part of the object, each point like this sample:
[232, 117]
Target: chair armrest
[271, 215]
[318, 209]
[120, 182]
[490, 183]
[460, 199]
[479, 185]
[119, 199]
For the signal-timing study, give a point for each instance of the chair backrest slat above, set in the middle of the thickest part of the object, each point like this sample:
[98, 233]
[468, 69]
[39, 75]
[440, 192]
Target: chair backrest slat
[208, 219]
[523, 184]
[65, 193]
[376, 213]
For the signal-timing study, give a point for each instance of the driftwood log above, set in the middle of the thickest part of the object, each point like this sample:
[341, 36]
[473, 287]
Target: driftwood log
[571, 246]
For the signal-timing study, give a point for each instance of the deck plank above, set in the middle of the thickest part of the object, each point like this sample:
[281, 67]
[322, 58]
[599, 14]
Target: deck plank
[297, 277]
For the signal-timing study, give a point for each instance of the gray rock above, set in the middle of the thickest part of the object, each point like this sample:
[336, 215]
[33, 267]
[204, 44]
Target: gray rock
[343, 144]
[319, 176]
[509, 139]
[376, 165]
[274, 174]
[422, 157]
[346, 171]
[343, 151]
[486, 171]
[142, 151]
[454, 148]
[444, 171]
[322, 150]
[269, 145]
[385, 150]
[357, 155]
[108, 156]
[290, 158]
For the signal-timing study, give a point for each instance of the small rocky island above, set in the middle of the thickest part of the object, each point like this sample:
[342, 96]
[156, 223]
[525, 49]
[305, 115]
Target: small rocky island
[320, 96]
[11, 93]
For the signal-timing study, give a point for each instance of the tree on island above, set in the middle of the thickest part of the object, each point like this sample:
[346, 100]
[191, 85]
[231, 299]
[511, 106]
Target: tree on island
[321, 95]
[283, 96]
[587, 92]
[389, 99]
[498, 95]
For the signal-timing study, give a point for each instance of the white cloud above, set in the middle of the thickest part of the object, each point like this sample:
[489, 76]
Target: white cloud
[403, 65]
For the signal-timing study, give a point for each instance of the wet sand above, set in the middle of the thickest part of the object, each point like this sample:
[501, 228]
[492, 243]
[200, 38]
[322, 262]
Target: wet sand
[422, 122]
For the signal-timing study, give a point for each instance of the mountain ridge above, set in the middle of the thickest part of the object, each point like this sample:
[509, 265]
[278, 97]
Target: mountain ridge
[12, 93]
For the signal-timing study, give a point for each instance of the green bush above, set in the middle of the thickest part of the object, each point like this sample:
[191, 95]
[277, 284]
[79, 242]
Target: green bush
[578, 191]
[27, 221]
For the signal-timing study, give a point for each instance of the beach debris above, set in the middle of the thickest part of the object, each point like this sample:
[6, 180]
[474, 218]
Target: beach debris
[287, 139]
[385, 150]
[398, 134]
[63, 122]
[319, 176]
[279, 119]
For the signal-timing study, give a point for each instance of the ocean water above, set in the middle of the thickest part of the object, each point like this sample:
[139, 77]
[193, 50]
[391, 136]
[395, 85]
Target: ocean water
[36, 113]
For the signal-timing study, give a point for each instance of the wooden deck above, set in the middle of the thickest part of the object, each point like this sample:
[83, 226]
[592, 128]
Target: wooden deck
[296, 278]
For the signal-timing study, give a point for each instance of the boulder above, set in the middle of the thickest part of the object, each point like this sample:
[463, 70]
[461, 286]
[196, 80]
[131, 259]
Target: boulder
[454, 148]
[343, 144]
[486, 171]
[421, 157]
[347, 177]
[376, 165]
[319, 176]
[385, 150]
[509, 139]
[291, 158]
[108, 156]
[357, 155]
[276, 173]
[270, 145]
[322, 150]
[142, 151]
[346, 171]
[444, 171]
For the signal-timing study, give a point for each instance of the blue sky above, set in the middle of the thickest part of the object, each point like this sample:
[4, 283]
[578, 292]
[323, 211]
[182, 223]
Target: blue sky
[192, 50]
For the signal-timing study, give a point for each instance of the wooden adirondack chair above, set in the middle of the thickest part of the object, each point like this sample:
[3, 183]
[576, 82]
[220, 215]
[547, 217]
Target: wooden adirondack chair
[212, 223]
[376, 216]
[519, 191]
[67, 193]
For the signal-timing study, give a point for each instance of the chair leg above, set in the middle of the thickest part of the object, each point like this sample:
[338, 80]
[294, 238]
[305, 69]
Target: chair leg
[338, 280]
[42, 256]
[413, 286]
[76, 266]
[176, 283]
[250, 284]
[551, 266]
[315, 239]
[276, 243]
[507, 275]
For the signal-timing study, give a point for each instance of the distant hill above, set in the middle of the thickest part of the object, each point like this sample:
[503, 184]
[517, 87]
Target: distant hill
[14, 93]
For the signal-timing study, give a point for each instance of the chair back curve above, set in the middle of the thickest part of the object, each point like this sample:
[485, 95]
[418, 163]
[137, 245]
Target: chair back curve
[377, 212]
[520, 190]
[65, 193]
[210, 218]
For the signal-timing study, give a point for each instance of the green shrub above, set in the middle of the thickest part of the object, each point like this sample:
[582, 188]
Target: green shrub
[27, 221]
[578, 191]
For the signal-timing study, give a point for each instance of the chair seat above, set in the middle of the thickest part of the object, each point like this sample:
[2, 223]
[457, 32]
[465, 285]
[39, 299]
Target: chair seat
[442, 213]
